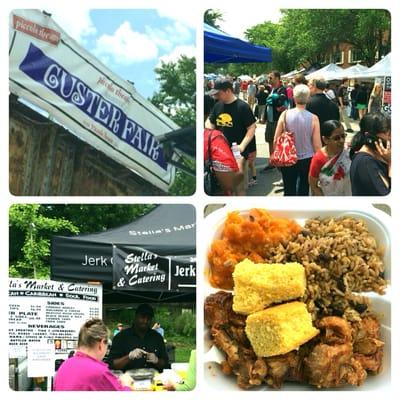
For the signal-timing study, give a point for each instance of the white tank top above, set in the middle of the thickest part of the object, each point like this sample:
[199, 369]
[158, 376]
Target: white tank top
[300, 123]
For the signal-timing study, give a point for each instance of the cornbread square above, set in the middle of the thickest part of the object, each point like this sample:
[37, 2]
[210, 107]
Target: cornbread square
[256, 286]
[280, 329]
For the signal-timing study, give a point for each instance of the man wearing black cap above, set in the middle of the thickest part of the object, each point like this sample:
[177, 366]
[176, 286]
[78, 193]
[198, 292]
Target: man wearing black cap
[139, 346]
[235, 119]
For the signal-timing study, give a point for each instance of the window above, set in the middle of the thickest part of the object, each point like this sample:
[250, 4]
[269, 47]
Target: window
[337, 57]
[355, 56]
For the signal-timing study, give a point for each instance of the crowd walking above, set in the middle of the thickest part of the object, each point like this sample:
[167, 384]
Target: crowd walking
[322, 118]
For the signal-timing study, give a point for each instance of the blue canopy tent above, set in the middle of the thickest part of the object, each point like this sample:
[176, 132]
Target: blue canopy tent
[222, 48]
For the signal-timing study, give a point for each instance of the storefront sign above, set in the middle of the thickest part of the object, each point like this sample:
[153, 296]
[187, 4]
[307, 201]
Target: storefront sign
[56, 74]
[145, 271]
[49, 311]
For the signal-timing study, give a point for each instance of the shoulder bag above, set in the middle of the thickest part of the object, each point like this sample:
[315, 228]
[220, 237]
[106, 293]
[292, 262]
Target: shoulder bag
[284, 153]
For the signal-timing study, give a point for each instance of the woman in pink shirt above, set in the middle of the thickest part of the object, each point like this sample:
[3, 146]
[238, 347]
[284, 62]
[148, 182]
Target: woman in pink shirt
[85, 370]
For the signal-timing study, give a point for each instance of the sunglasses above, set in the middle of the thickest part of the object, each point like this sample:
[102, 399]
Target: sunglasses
[338, 137]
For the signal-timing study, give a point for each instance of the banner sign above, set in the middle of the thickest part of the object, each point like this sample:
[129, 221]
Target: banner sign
[143, 270]
[49, 311]
[387, 95]
[50, 70]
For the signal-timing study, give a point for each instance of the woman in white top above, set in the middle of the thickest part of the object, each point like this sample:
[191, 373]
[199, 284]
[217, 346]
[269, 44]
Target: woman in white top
[305, 127]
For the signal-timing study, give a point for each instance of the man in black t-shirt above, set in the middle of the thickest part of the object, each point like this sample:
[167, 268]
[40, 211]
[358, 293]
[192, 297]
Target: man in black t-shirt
[235, 119]
[139, 346]
[319, 104]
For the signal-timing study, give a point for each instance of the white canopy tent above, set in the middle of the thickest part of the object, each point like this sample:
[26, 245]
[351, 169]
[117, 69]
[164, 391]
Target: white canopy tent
[351, 71]
[291, 74]
[380, 69]
[328, 72]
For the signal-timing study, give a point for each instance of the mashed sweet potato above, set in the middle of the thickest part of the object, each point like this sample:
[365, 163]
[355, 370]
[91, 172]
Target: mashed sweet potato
[246, 237]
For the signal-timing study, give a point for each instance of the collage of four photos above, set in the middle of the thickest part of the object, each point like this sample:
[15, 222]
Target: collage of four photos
[134, 159]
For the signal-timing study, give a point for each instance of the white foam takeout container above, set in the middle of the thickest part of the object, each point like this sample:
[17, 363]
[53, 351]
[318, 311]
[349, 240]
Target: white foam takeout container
[378, 224]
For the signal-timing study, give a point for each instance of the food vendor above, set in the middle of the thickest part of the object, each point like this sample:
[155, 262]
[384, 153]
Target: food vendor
[139, 346]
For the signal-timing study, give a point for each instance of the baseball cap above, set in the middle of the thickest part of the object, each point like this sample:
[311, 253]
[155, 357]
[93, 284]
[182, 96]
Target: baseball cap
[220, 84]
[145, 309]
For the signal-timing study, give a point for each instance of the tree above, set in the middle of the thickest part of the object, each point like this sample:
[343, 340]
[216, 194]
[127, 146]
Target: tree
[32, 225]
[177, 99]
[91, 218]
[28, 219]
[304, 37]
[212, 17]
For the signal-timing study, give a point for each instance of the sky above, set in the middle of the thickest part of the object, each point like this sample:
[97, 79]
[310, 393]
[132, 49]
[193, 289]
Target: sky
[131, 42]
[237, 21]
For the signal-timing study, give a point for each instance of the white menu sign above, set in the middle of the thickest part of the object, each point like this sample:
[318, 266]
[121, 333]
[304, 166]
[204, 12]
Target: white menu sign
[40, 360]
[50, 311]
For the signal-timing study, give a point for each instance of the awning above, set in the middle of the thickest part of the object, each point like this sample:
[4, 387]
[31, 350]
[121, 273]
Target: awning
[162, 239]
[380, 69]
[329, 72]
[219, 47]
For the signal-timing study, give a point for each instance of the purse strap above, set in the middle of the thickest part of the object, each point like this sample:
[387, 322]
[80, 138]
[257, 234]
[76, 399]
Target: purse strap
[284, 121]
[209, 159]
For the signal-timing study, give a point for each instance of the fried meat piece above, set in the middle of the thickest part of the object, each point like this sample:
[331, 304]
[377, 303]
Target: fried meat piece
[227, 345]
[286, 367]
[341, 354]
[333, 365]
[218, 311]
[336, 330]
[227, 332]
[216, 308]
[368, 348]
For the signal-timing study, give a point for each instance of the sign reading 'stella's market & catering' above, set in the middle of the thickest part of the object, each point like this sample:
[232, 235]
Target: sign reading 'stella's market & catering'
[49, 69]
[49, 311]
[145, 271]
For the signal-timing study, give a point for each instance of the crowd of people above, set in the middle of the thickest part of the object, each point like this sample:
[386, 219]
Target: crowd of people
[318, 115]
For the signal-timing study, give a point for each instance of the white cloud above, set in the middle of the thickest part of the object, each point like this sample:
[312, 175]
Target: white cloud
[236, 22]
[170, 36]
[75, 21]
[188, 16]
[126, 46]
[189, 51]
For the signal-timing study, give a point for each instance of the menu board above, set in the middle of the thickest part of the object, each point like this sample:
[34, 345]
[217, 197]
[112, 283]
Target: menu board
[51, 311]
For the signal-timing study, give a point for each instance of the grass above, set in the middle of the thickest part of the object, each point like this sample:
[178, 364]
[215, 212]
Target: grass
[183, 346]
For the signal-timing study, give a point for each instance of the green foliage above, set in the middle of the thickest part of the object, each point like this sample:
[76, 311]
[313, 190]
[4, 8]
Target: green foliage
[92, 218]
[184, 185]
[32, 225]
[176, 97]
[213, 17]
[35, 229]
[185, 324]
